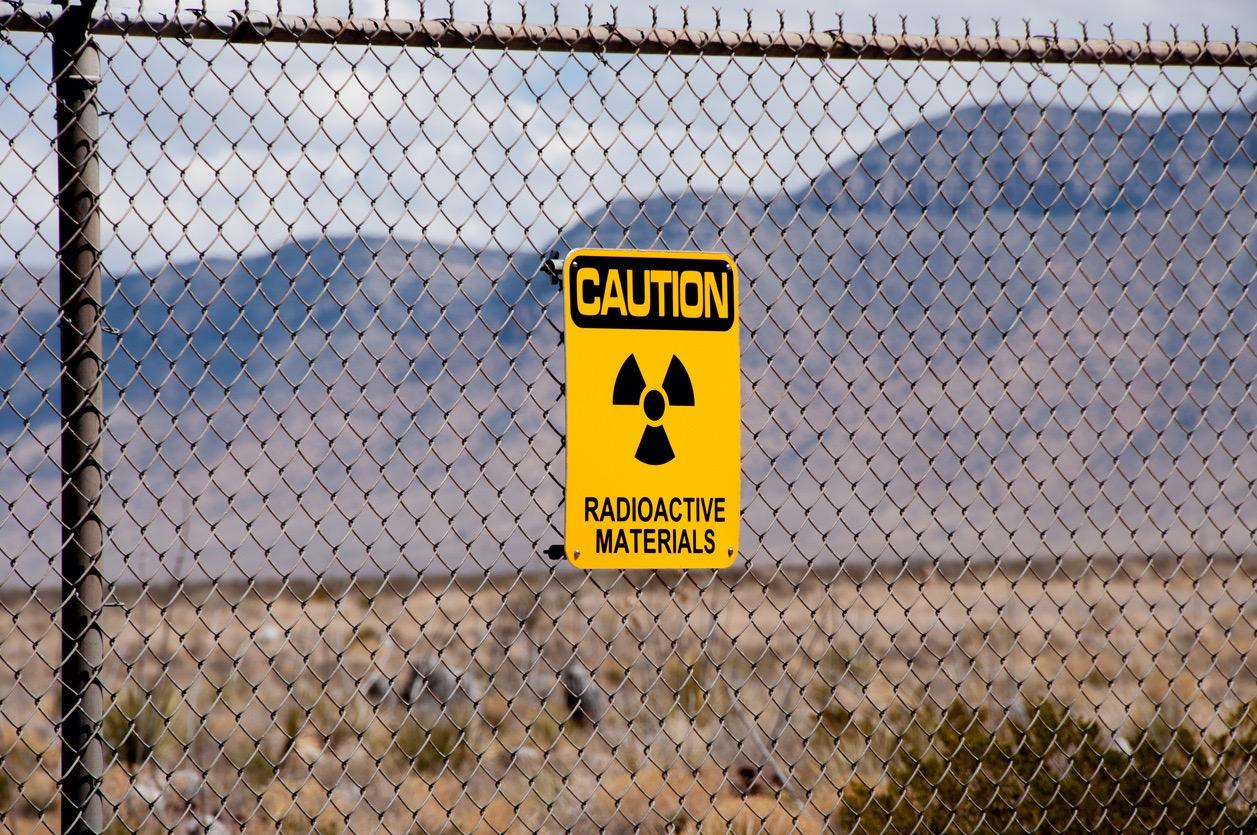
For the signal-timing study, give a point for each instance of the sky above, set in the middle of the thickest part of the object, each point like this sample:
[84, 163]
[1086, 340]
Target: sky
[224, 149]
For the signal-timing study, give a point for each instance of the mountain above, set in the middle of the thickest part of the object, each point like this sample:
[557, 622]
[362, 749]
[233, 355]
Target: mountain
[266, 415]
[1007, 332]
[1083, 164]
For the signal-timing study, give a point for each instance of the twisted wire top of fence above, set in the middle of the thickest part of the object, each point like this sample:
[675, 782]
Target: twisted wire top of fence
[609, 38]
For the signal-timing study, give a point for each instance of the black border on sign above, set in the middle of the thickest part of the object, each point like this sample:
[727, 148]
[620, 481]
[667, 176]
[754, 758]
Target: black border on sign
[641, 262]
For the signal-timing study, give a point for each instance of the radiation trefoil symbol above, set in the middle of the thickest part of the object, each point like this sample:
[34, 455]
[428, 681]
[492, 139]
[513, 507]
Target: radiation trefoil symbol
[630, 390]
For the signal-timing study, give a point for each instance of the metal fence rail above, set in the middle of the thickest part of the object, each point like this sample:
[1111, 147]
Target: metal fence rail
[281, 407]
[255, 27]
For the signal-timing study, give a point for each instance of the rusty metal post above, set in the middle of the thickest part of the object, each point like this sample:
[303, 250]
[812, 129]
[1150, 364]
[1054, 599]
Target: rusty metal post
[76, 71]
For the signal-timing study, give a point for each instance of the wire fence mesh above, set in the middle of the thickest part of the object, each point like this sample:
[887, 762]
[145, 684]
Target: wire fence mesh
[998, 468]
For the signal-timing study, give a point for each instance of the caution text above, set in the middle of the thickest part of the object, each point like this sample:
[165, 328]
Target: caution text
[653, 294]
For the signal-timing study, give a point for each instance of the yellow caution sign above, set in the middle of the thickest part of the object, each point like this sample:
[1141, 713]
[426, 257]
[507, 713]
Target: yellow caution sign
[654, 461]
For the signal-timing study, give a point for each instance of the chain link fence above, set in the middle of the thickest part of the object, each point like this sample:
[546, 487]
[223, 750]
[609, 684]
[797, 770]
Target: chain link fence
[281, 407]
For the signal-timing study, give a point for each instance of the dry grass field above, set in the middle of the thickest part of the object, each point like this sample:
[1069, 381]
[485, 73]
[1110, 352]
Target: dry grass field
[732, 701]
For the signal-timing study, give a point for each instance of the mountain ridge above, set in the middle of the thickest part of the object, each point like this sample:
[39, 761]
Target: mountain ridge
[1041, 346]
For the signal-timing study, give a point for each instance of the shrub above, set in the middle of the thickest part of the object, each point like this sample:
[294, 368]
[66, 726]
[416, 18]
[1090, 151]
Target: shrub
[138, 722]
[1048, 771]
[429, 751]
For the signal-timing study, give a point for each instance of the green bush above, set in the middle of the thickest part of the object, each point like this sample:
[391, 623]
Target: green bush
[1051, 772]
[139, 721]
[430, 751]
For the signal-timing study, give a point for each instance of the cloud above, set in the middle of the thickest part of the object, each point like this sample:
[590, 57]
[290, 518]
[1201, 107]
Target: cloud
[218, 149]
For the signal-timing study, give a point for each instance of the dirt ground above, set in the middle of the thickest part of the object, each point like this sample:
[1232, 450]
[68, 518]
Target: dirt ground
[716, 701]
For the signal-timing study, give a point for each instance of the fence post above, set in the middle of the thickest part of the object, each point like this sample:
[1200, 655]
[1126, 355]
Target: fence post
[76, 71]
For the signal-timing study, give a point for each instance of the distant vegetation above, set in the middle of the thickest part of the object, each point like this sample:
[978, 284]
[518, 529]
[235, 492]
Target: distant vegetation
[774, 704]
[1051, 771]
